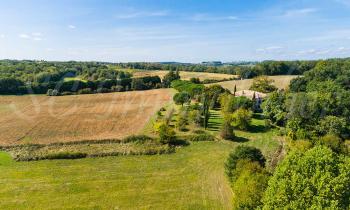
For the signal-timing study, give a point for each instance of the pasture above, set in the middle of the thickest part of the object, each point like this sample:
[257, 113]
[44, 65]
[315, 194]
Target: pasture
[185, 75]
[41, 119]
[281, 82]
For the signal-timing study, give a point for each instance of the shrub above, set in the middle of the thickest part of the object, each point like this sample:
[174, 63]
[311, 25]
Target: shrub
[166, 134]
[85, 91]
[137, 139]
[117, 88]
[201, 137]
[181, 121]
[65, 155]
[243, 152]
[227, 130]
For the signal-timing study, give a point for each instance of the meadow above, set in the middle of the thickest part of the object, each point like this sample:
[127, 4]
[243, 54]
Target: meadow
[191, 178]
[186, 75]
[281, 82]
[41, 119]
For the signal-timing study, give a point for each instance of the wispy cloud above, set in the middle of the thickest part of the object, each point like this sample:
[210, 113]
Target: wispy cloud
[24, 36]
[36, 36]
[143, 14]
[2, 36]
[299, 12]
[271, 49]
[72, 27]
[344, 2]
[206, 17]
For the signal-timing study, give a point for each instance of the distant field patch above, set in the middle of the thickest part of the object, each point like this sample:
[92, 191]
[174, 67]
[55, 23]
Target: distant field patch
[185, 75]
[281, 82]
[42, 119]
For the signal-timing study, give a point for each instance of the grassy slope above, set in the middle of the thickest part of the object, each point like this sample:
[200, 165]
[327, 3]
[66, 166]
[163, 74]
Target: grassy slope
[281, 82]
[192, 178]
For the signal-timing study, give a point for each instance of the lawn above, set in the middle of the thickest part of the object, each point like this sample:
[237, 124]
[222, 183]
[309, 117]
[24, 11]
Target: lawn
[192, 178]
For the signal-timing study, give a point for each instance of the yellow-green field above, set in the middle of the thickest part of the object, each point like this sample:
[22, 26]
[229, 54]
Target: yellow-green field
[281, 82]
[185, 75]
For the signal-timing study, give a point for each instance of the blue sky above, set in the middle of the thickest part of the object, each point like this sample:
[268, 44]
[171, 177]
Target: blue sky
[174, 30]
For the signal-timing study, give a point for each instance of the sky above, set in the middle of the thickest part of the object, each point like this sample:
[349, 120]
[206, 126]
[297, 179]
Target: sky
[174, 30]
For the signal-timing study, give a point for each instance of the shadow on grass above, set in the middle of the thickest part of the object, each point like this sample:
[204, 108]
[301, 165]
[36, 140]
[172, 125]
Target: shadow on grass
[180, 142]
[214, 126]
[240, 139]
[258, 129]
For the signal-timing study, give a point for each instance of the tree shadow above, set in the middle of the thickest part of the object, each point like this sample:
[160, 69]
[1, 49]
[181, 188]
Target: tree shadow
[258, 129]
[180, 142]
[240, 139]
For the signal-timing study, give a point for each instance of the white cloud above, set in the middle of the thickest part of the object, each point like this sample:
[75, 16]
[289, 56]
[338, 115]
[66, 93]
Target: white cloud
[206, 17]
[143, 14]
[35, 36]
[299, 12]
[24, 36]
[2, 36]
[72, 27]
[271, 49]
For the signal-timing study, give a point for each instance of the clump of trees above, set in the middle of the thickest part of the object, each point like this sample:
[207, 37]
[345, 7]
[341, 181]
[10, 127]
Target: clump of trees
[248, 177]
[263, 84]
[315, 179]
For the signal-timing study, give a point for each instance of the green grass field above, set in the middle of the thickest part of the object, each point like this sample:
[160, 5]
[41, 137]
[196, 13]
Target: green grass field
[191, 178]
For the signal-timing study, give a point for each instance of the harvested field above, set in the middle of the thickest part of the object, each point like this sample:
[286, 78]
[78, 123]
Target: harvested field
[42, 119]
[185, 75]
[281, 82]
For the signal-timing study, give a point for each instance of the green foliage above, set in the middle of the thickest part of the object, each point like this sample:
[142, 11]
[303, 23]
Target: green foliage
[331, 125]
[263, 84]
[250, 184]
[227, 131]
[195, 80]
[182, 120]
[169, 77]
[242, 152]
[166, 134]
[241, 118]
[315, 179]
[189, 87]
[201, 137]
[334, 143]
[182, 98]
[274, 108]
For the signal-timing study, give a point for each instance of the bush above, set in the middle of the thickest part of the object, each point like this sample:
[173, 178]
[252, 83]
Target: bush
[102, 90]
[65, 155]
[227, 131]
[243, 152]
[166, 134]
[85, 91]
[137, 139]
[201, 137]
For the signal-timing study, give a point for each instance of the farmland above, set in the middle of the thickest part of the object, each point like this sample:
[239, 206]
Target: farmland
[42, 119]
[280, 82]
[185, 75]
